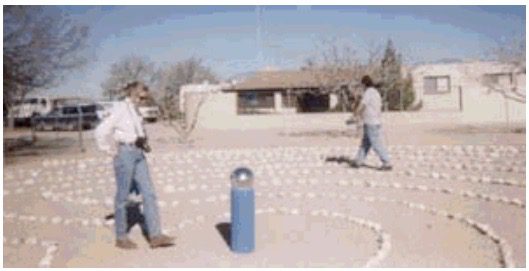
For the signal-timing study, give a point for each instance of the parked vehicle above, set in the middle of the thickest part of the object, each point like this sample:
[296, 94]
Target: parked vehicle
[23, 110]
[69, 118]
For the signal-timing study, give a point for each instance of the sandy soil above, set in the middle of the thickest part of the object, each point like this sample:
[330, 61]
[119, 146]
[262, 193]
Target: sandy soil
[456, 198]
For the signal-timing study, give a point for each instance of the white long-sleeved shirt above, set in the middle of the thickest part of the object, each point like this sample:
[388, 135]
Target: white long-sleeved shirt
[373, 106]
[123, 125]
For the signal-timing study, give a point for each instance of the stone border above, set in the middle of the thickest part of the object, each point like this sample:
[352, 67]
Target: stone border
[51, 248]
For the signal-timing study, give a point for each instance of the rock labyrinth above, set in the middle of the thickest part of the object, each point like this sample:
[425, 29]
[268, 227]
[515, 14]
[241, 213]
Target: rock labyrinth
[193, 189]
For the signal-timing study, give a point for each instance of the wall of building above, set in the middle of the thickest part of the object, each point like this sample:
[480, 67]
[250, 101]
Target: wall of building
[478, 103]
[216, 109]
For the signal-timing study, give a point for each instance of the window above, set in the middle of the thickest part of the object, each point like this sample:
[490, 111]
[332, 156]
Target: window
[31, 101]
[503, 79]
[55, 111]
[253, 101]
[88, 109]
[69, 110]
[436, 84]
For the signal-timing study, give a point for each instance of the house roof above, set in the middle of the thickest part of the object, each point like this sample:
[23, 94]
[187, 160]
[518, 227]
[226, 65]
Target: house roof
[293, 79]
[284, 79]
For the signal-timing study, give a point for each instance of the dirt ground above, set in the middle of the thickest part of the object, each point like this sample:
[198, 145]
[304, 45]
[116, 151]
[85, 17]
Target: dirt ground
[456, 198]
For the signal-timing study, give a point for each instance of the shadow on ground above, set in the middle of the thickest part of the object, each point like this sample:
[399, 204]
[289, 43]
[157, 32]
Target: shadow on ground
[25, 147]
[346, 160]
[134, 217]
[225, 231]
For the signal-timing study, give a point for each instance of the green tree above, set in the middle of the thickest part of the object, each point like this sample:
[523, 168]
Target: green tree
[396, 91]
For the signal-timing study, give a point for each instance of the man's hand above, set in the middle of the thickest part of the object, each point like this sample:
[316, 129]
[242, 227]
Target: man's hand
[350, 121]
[360, 109]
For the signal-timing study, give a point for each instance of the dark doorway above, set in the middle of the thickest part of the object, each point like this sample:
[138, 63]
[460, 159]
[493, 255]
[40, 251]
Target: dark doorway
[311, 102]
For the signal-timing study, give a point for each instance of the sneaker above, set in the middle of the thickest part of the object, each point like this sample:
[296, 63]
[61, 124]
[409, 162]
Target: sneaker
[126, 243]
[386, 168]
[161, 240]
[355, 164]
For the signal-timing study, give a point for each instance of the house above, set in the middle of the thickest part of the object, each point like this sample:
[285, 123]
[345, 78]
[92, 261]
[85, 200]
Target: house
[266, 98]
[281, 91]
[480, 90]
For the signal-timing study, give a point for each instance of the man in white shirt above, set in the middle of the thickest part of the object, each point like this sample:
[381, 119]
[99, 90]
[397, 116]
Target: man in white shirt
[122, 135]
[370, 109]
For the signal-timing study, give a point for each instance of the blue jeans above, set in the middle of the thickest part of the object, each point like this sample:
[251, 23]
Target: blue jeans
[130, 164]
[372, 138]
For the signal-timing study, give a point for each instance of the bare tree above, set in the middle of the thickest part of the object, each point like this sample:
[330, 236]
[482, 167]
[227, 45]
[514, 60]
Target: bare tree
[172, 78]
[511, 53]
[40, 46]
[129, 69]
[337, 69]
[186, 123]
[334, 65]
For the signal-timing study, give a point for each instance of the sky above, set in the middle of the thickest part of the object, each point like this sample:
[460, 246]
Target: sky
[233, 40]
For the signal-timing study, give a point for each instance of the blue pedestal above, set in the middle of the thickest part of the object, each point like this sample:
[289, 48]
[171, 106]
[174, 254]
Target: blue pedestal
[242, 220]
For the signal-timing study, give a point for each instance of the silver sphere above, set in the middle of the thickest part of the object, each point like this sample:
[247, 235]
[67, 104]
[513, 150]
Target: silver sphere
[242, 177]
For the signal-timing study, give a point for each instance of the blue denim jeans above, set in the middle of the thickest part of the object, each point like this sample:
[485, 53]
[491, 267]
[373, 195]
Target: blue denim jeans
[130, 164]
[372, 138]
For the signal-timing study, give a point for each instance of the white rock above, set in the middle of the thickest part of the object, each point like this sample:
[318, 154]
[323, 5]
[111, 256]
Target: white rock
[422, 188]
[56, 220]
[486, 179]
[211, 199]
[97, 222]
[108, 202]
[31, 241]
[435, 175]
[469, 194]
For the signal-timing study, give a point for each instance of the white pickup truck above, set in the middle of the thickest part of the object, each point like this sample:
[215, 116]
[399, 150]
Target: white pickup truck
[23, 110]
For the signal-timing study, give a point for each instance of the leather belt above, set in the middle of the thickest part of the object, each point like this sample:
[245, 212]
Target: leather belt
[127, 144]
